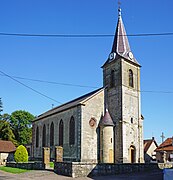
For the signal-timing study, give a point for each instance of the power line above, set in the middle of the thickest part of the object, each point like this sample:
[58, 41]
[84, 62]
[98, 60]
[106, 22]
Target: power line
[83, 35]
[30, 87]
[161, 92]
[83, 86]
[53, 82]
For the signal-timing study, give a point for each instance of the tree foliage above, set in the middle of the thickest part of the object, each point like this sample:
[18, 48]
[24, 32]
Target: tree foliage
[21, 154]
[1, 108]
[16, 127]
[20, 122]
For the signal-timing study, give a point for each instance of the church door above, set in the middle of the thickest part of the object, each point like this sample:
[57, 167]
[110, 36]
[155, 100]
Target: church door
[111, 158]
[132, 154]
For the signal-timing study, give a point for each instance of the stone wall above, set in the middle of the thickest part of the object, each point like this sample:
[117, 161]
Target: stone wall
[27, 165]
[80, 169]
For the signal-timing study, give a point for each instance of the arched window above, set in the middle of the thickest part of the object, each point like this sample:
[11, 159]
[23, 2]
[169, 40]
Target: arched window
[61, 127]
[72, 131]
[37, 137]
[112, 80]
[131, 78]
[44, 136]
[52, 134]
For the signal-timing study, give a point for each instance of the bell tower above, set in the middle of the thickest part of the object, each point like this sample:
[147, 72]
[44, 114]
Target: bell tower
[121, 79]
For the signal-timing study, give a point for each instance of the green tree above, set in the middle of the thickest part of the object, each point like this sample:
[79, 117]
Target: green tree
[21, 154]
[1, 108]
[21, 122]
[6, 132]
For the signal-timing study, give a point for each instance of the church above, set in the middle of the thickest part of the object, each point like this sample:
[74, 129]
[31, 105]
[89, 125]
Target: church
[105, 125]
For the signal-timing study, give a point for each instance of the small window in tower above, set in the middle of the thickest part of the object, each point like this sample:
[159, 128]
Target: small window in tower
[131, 78]
[131, 120]
[112, 80]
[111, 140]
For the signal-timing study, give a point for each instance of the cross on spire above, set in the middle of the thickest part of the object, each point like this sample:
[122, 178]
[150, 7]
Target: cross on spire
[119, 3]
[162, 136]
[119, 8]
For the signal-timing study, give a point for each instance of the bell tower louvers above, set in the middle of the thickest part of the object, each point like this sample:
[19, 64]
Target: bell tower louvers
[121, 79]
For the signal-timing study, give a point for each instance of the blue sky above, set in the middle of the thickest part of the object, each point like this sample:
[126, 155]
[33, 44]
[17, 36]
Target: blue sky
[78, 60]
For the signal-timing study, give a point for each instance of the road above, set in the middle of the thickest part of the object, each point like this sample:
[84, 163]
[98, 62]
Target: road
[50, 175]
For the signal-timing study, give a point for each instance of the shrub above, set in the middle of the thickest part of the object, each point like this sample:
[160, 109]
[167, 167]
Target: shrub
[21, 154]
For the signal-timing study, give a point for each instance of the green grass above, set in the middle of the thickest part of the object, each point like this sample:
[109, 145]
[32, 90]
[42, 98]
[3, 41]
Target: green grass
[13, 170]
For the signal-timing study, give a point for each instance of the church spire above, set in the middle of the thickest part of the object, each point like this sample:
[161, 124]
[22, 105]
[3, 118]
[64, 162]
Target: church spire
[121, 47]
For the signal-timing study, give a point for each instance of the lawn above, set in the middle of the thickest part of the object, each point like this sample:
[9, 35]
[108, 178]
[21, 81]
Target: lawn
[13, 170]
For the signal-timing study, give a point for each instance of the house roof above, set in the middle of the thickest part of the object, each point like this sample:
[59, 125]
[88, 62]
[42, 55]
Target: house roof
[147, 144]
[121, 46]
[167, 145]
[106, 120]
[7, 146]
[78, 101]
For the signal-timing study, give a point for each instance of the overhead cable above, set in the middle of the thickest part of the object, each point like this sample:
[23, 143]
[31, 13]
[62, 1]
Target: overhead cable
[30, 87]
[83, 35]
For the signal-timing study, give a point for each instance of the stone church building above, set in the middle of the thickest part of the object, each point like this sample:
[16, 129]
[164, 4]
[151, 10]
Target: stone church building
[104, 125]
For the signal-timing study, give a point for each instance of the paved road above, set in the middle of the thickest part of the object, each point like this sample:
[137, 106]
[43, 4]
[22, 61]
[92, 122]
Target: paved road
[49, 175]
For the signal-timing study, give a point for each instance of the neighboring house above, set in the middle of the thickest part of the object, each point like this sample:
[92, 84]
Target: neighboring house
[164, 153]
[149, 150]
[104, 125]
[7, 149]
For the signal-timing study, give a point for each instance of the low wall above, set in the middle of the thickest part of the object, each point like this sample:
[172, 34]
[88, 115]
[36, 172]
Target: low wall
[26, 165]
[80, 169]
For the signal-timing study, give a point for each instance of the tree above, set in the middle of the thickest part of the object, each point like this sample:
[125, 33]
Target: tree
[21, 122]
[5, 132]
[1, 108]
[21, 154]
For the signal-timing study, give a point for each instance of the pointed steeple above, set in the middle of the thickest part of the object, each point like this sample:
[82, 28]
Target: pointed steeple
[106, 120]
[121, 47]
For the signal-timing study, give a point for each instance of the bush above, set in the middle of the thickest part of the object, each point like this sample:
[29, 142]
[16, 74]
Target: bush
[21, 154]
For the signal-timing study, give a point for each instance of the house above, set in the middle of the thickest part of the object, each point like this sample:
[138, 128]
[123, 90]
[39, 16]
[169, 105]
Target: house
[104, 125]
[164, 152]
[149, 150]
[7, 149]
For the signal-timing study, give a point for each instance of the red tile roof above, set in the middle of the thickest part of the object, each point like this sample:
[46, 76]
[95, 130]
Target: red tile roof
[7, 146]
[167, 145]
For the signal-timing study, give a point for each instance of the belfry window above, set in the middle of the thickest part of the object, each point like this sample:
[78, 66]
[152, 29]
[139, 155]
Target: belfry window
[44, 136]
[52, 134]
[131, 78]
[37, 137]
[72, 131]
[112, 80]
[61, 126]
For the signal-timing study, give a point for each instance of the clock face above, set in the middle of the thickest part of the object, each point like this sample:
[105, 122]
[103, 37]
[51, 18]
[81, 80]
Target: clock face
[130, 55]
[112, 56]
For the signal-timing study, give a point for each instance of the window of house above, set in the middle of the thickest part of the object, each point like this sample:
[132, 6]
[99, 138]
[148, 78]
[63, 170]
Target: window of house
[72, 131]
[61, 126]
[37, 137]
[52, 134]
[44, 136]
[131, 78]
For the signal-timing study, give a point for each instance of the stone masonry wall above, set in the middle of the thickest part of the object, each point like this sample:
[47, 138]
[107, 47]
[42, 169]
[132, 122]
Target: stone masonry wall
[27, 165]
[79, 169]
